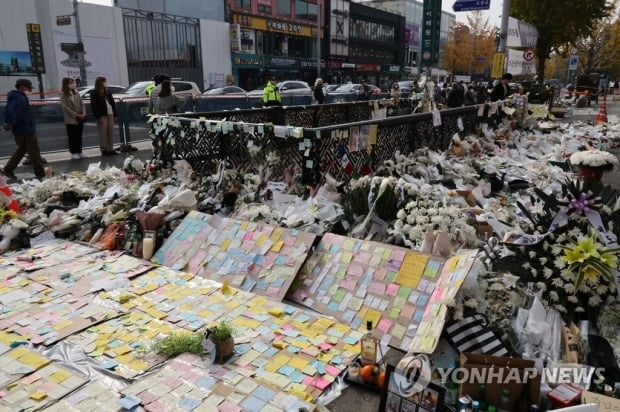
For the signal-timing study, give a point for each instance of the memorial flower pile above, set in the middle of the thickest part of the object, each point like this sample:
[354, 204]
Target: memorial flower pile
[594, 159]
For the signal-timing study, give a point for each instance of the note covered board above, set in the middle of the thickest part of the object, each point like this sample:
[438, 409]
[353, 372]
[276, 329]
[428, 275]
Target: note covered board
[51, 254]
[251, 256]
[189, 383]
[451, 277]
[93, 396]
[40, 388]
[121, 345]
[52, 321]
[356, 281]
[18, 294]
[19, 362]
[91, 273]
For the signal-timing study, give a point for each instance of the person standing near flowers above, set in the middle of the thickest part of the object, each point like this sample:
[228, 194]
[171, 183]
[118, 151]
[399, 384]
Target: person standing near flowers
[18, 119]
[104, 110]
[164, 101]
[74, 114]
[319, 96]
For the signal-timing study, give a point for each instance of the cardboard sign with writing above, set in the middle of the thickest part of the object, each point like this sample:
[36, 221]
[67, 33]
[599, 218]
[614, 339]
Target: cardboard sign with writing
[605, 403]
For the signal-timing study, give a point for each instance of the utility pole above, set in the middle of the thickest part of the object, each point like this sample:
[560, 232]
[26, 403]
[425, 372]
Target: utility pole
[318, 38]
[503, 40]
[78, 32]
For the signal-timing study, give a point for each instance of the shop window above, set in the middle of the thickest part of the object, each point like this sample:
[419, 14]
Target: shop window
[244, 4]
[306, 10]
[264, 9]
[284, 7]
[368, 30]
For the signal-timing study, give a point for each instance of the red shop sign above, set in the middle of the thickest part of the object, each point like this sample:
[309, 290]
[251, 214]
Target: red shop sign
[334, 64]
[364, 67]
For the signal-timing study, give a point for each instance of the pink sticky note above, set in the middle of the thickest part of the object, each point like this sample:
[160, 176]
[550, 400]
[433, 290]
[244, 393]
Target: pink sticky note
[376, 288]
[349, 283]
[228, 406]
[173, 382]
[307, 380]
[398, 255]
[355, 270]
[362, 257]
[380, 273]
[407, 311]
[310, 351]
[271, 291]
[247, 245]
[332, 370]
[384, 325]
[325, 346]
[392, 289]
[248, 236]
[30, 379]
[289, 240]
[437, 295]
[300, 295]
[155, 407]
[147, 397]
[321, 383]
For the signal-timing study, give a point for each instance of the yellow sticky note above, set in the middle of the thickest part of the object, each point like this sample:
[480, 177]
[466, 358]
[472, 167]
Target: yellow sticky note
[372, 134]
[124, 359]
[63, 325]
[38, 396]
[138, 365]
[60, 376]
[123, 349]
[226, 290]
[225, 244]
[34, 361]
[277, 312]
[298, 363]
[243, 226]
[272, 367]
[309, 370]
[277, 234]
[277, 246]
[373, 316]
[279, 344]
[281, 359]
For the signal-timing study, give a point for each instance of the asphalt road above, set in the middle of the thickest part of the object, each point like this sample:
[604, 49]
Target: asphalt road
[53, 137]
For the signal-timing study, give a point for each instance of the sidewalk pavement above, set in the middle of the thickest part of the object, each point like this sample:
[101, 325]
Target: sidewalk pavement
[61, 162]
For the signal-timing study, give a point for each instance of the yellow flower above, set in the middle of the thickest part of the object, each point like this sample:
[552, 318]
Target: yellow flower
[591, 274]
[610, 259]
[588, 247]
[574, 256]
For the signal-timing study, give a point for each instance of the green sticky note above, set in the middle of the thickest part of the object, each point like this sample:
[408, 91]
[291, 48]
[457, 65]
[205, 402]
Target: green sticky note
[394, 313]
[341, 273]
[391, 276]
[338, 296]
[403, 292]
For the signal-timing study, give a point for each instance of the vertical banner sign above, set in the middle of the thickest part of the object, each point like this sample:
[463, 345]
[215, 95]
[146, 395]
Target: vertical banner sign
[431, 21]
[235, 38]
[498, 65]
[36, 47]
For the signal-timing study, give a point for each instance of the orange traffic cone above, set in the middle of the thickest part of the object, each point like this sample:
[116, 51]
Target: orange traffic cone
[6, 197]
[602, 113]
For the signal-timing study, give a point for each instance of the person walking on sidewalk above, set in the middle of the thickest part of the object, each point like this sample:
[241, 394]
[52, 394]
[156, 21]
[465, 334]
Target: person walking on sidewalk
[18, 118]
[74, 113]
[104, 109]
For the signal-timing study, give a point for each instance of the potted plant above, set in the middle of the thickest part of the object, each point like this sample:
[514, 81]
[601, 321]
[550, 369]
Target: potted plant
[222, 337]
[592, 163]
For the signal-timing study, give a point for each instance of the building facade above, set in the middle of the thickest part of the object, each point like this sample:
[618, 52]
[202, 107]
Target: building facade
[412, 10]
[274, 38]
[364, 43]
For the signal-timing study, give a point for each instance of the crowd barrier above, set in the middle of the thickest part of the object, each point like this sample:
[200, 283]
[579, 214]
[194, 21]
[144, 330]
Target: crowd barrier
[206, 142]
[132, 114]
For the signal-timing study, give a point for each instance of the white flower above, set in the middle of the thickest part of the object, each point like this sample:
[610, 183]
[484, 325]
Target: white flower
[573, 299]
[560, 308]
[547, 272]
[543, 261]
[579, 309]
[593, 158]
[526, 265]
[559, 263]
[401, 214]
[411, 219]
[471, 303]
[594, 300]
[601, 290]
[557, 282]
[532, 254]
[534, 272]
[541, 286]
[553, 295]
[569, 288]
[556, 250]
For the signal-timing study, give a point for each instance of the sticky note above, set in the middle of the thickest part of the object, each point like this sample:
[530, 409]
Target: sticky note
[38, 396]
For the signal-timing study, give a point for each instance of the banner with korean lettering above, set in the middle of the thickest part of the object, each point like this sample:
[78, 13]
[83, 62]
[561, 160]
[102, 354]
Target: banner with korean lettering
[431, 22]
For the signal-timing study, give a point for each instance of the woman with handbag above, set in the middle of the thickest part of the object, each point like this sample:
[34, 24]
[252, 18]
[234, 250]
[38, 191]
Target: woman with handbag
[104, 110]
[74, 114]
[165, 101]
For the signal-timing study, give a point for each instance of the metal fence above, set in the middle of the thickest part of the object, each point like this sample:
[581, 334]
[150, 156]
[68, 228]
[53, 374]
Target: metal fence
[312, 151]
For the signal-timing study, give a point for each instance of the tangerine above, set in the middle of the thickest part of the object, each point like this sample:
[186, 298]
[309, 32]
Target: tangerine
[367, 372]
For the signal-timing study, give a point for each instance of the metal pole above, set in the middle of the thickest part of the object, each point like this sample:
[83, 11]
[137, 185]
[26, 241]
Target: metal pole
[504, 30]
[318, 39]
[78, 32]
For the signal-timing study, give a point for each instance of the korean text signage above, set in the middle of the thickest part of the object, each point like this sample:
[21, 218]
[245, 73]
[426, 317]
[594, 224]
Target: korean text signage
[498, 65]
[235, 38]
[247, 60]
[260, 23]
[431, 21]
[283, 62]
[521, 34]
[412, 35]
[36, 47]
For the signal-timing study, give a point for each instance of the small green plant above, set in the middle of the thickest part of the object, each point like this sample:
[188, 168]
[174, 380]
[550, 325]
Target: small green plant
[221, 332]
[178, 343]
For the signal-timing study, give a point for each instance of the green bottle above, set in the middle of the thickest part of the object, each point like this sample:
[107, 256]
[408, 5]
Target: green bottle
[492, 408]
[452, 389]
[482, 397]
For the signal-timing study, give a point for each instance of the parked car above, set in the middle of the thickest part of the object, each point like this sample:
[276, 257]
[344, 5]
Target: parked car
[405, 86]
[228, 90]
[538, 93]
[328, 88]
[181, 88]
[354, 88]
[85, 91]
[287, 88]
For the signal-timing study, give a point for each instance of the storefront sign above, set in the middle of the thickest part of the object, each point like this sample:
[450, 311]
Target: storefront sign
[310, 63]
[235, 38]
[36, 47]
[431, 22]
[283, 62]
[388, 68]
[247, 60]
[348, 65]
[339, 29]
[412, 34]
[260, 23]
[365, 67]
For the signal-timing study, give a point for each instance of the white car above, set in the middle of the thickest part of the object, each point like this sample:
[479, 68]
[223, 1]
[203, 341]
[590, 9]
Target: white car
[181, 88]
[85, 91]
[228, 91]
[287, 88]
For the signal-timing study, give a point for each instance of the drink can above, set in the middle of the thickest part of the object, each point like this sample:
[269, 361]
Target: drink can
[464, 402]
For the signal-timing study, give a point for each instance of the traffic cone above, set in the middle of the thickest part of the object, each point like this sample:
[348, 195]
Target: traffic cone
[6, 197]
[602, 113]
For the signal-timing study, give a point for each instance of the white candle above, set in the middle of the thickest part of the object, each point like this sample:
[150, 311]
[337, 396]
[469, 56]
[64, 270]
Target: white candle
[147, 248]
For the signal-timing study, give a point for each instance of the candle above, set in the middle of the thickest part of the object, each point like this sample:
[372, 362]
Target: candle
[147, 248]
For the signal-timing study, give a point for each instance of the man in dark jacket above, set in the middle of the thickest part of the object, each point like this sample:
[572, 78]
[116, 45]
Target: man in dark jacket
[18, 119]
[456, 98]
[501, 91]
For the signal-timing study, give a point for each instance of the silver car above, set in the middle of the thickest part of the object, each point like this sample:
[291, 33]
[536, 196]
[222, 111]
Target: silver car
[181, 88]
[287, 88]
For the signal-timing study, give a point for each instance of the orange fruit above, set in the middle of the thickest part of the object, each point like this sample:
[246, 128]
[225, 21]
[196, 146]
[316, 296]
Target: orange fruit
[367, 372]
[381, 379]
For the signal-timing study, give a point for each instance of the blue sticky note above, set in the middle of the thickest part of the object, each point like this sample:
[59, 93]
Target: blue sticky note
[111, 364]
[115, 344]
[44, 331]
[296, 377]
[241, 349]
[350, 340]
[289, 310]
[292, 349]
[271, 352]
[319, 366]
[336, 360]
[253, 404]
[188, 403]
[302, 318]
[286, 370]
[422, 300]
[129, 402]
[418, 315]
[348, 316]
[280, 260]
[260, 347]
[205, 382]
[356, 323]
[333, 307]
[263, 393]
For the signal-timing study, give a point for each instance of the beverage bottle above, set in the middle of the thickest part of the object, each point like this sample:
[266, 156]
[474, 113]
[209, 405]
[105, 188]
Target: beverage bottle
[452, 389]
[504, 401]
[617, 390]
[482, 397]
[368, 346]
[475, 406]
[492, 408]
